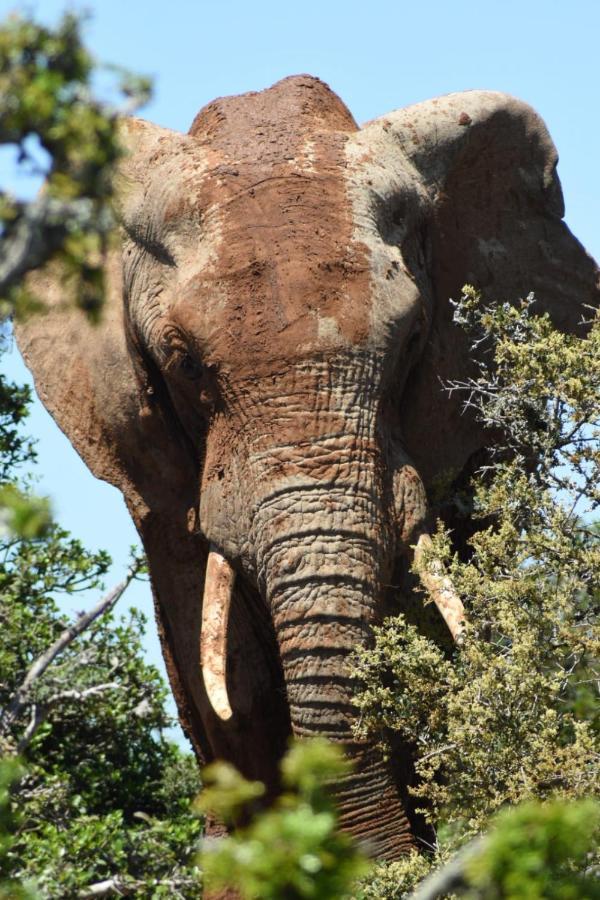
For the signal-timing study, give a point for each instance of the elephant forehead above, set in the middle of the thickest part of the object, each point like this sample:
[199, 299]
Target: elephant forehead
[286, 270]
[284, 261]
[286, 273]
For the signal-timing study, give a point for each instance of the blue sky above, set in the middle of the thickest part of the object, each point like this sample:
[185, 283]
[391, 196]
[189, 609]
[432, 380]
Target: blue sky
[378, 55]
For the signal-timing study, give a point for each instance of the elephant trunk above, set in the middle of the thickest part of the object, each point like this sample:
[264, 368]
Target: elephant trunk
[321, 553]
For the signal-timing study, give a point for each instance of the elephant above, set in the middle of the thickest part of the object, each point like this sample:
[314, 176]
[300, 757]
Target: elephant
[266, 388]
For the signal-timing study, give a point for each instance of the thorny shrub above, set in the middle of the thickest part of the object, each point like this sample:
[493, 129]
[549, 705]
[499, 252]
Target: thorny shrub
[511, 715]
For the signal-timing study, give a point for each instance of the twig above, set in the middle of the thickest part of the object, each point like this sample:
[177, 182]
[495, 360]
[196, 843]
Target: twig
[21, 695]
[41, 229]
[450, 876]
[437, 752]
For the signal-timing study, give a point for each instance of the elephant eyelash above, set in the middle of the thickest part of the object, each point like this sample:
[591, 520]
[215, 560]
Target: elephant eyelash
[181, 361]
[173, 349]
[152, 246]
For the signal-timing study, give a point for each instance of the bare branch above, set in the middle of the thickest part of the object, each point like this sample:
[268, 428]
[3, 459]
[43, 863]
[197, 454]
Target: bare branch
[38, 717]
[437, 752]
[21, 695]
[84, 694]
[117, 886]
[450, 877]
[41, 229]
[40, 711]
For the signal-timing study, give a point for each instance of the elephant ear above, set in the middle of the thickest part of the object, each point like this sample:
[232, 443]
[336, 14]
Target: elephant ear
[90, 380]
[85, 374]
[489, 167]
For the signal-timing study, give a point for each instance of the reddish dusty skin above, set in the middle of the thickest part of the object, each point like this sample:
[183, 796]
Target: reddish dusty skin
[287, 255]
[266, 378]
[287, 259]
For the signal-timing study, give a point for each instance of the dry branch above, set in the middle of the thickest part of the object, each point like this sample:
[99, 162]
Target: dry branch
[450, 877]
[22, 694]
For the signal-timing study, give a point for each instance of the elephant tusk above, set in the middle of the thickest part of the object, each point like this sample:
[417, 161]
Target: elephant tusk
[440, 589]
[218, 587]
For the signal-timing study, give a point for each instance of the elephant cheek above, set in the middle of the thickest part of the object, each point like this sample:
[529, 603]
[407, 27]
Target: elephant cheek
[223, 511]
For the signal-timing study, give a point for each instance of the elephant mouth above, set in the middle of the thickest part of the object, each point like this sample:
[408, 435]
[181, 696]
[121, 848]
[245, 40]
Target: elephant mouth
[218, 592]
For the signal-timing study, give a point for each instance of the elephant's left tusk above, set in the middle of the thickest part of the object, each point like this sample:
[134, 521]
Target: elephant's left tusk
[218, 587]
[440, 589]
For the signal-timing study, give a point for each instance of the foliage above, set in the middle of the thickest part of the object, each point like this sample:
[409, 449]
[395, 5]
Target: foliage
[15, 447]
[512, 714]
[293, 849]
[395, 881]
[103, 788]
[539, 851]
[101, 799]
[20, 512]
[9, 888]
[102, 794]
[151, 859]
[535, 851]
[62, 134]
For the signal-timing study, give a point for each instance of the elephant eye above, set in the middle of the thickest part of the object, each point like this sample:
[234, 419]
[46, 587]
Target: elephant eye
[177, 358]
[189, 367]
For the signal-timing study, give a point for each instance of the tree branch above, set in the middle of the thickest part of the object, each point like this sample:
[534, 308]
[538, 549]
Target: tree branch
[21, 695]
[40, 229]
[115, 885]
[38, 717]
[122, 887]
[40, 711]
[85, 693]
[449, 877]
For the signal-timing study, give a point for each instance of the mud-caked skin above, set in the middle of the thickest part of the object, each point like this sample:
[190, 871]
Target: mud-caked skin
[266, 381]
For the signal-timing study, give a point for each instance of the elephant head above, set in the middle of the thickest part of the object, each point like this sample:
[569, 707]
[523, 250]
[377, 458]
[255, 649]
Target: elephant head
[264, 387]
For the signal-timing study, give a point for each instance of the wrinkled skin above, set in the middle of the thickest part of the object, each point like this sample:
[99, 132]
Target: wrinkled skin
[266, 381]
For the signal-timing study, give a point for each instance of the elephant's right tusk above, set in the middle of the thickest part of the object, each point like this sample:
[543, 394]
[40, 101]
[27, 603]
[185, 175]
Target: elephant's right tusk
[218, 587]
[440, 589]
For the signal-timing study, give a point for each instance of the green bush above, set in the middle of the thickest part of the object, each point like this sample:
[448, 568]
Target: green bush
[539, 851]
[511, 715]
[292, 851]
